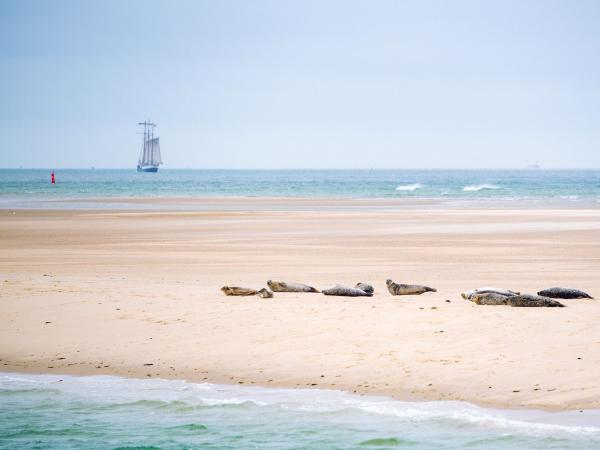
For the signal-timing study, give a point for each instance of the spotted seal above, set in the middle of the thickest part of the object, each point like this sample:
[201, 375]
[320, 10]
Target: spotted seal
[345, 291]
[282, 286]
[407, 289]
[265, 293]
[527, 300]
[567, 293]
[488, 298]
[365, 287]
[235, 290]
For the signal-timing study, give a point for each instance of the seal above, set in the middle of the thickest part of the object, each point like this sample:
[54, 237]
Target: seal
[282, 286]
[566, 293]
[346, 292]
[527, 300]
[407, 289]
[265, 293]
[488, 298]
[235, 290]
[488, 290]
[365, 287]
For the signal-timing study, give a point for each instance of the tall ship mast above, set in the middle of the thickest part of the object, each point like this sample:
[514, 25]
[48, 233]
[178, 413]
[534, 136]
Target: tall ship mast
[150, 157]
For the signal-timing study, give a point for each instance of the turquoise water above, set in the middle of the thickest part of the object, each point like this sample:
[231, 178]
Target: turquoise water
[30, 187]
[101, 412]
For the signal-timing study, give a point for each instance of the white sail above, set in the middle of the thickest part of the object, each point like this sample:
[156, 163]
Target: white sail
[155, 157]
[151, 153]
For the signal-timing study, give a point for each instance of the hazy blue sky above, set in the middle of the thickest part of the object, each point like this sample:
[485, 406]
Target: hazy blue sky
[323, 84]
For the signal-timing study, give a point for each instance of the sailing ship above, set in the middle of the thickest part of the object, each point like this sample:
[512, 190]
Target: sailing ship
[150, 157]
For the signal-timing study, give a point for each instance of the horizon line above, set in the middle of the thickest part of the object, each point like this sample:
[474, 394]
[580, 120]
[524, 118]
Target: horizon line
[312, 168]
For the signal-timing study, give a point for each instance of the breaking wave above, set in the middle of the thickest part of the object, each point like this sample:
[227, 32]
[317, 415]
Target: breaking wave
[409, 187]
[479, 187]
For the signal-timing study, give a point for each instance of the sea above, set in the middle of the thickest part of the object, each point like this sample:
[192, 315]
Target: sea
[31, 188]
[106, 412]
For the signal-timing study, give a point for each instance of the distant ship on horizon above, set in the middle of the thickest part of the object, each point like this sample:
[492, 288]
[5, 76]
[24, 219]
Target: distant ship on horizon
[150, 157]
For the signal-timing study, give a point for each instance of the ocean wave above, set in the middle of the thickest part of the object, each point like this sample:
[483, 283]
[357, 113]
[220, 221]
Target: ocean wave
[409, 187]
[181, 397]
[479, 187]
[463, 414]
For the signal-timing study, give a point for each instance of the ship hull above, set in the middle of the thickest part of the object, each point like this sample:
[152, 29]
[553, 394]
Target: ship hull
[147, 169]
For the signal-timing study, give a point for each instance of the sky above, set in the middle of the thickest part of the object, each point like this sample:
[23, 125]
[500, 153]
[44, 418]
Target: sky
[301, 84]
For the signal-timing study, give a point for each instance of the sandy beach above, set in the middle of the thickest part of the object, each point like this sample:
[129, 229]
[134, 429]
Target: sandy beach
[136, 293]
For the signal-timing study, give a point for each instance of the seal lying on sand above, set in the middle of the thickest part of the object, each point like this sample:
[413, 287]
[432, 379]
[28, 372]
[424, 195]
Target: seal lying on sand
[560, 292]
[346, 292]
[527, 300]
[365, 287]
[488, 298]
[407, 289]
[234, 290]
[282, 286]
[488, 290]
[265, 293]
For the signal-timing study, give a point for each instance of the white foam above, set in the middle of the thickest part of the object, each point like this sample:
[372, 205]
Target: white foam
[569, 197]
[409, 187]
[479, 187]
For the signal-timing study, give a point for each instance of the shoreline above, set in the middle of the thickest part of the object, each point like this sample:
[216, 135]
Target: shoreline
[128, 288]
[226, 380]
[535, 416]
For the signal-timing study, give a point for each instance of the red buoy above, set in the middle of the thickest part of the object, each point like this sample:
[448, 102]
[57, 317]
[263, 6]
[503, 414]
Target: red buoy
[52, 177]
